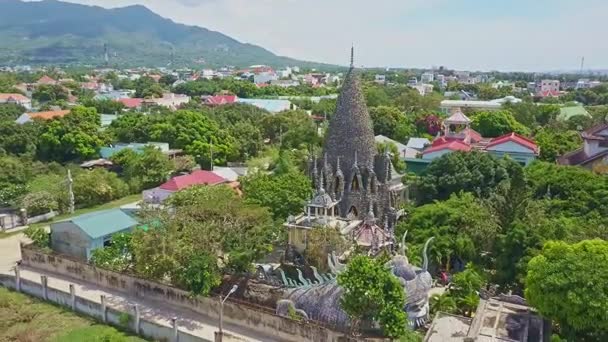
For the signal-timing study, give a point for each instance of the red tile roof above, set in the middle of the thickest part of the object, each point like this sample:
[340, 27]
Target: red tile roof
[131, 102]
[516, 138]
[14, 96]
[547, 93]
[199, 177]
[454, 145]
[46, 80]
[221, 99]
[49, 115]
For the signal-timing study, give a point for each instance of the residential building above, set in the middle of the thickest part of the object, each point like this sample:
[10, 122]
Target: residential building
[78, 237]
[566, 112]
[168, 100]
[548, 88]
[265, 77]
[594, 151]
[404, 151]
[418, 144]
[380, 79]
[273, 106]
[48, 115]
[447, 106]
[46, 80]
[284, 73]
[285, 83]
[114, 95]
[18, 99]
[423, 89]
[586, 84]
[412, 81]
[427, 77]
[175, 184]
[458, 135]
[218, 100]
[131, 102]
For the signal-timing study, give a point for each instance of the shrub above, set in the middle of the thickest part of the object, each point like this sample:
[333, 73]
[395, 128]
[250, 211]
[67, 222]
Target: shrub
[38, 203]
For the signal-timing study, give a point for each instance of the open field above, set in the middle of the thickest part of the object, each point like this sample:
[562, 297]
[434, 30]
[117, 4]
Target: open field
[25, 319]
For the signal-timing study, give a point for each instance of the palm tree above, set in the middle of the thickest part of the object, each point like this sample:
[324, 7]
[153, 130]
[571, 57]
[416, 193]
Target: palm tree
[443, 303]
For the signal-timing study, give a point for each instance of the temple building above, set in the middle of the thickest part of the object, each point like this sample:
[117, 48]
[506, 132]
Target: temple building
[357, 189]
[457, 135]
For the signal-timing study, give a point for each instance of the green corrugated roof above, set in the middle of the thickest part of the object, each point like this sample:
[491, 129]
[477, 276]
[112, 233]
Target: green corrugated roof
[565, 113]
[102, 223]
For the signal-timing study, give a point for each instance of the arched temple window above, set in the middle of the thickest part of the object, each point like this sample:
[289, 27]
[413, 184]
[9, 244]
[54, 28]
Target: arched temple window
[353, 212]
[355, 184]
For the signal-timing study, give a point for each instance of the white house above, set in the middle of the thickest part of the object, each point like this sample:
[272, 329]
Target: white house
[18, 99]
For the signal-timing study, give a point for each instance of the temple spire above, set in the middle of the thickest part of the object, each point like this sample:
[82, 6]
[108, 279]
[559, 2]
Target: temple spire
[352, 56]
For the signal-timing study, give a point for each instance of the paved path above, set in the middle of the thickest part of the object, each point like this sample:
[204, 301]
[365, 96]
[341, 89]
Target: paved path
[189, 321]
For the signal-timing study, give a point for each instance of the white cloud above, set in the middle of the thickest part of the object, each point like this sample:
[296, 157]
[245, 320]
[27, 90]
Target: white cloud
[410, 33]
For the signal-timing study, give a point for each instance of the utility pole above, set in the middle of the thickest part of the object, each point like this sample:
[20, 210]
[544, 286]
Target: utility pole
[70, 182]
[211, 152]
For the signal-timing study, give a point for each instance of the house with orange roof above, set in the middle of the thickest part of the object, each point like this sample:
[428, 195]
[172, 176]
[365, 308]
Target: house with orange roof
[46, 80]
[18, 99]
[48, 115]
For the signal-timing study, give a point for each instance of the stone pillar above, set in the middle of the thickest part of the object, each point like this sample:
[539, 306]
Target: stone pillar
[73, 297]
[104, 310]
[136, 316]
[17, 278]
[44, 282]
[175, 331]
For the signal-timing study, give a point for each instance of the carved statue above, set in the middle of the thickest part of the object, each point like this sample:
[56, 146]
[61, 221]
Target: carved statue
[321, 302]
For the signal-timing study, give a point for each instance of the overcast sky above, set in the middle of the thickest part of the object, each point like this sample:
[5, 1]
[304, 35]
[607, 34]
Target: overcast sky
[528, 35]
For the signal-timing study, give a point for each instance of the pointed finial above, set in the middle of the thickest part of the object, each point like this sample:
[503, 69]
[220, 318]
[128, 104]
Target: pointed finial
[338, 163]
[356, 162]
[352, 56]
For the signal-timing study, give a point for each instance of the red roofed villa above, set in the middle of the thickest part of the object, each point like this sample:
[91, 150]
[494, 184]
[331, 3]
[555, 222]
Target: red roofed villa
[459, 136]
[218, 100]
[175, 184]
[132, 103]
[54, 114]
[46, 80]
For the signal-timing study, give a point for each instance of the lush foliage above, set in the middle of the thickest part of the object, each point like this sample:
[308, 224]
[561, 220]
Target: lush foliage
[496, 123]
[38, 235]
[567, 283]
[371, 292]
[117, 256]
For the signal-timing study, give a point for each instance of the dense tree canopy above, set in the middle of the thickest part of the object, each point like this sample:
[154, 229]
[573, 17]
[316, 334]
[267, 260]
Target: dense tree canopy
[496, 123]
[567, 283]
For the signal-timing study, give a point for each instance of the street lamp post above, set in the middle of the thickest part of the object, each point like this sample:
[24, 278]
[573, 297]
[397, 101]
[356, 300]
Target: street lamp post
[222, 300]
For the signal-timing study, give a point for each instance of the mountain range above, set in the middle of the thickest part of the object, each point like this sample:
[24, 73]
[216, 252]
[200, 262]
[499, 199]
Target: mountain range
[54, 32]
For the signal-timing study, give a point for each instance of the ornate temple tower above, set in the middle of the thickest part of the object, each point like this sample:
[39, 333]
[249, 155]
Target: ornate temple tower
[350, 169]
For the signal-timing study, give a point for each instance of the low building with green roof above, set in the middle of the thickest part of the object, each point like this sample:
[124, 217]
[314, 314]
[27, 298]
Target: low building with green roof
[566, 112]
[80, 235]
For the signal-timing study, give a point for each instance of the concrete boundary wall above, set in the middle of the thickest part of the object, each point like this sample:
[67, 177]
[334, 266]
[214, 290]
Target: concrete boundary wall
[239, 314]
[95, 310]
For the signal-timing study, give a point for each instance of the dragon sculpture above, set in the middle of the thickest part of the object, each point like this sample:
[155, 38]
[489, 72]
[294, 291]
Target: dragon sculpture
[320, 300]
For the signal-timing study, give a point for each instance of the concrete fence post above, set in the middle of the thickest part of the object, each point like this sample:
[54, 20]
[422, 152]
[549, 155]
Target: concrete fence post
[175, 331]
[17, 278]
[104, 311]
[136, 311]
[73, 297]
[44, 282]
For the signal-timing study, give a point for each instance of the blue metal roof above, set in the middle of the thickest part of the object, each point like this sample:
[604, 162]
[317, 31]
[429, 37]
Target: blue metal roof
[102, 223]
[273, 106]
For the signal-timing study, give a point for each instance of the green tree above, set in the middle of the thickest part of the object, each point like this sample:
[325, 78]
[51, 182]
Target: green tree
[115, 257]
[37, 203]
[283, 194]
[553, 143]
[10, 111]
[201, 274]
[474, 172]
[50, 93]
[146, 87]
[386, 119]
[375, 96]
[496, 123]
[567, 283]
[371, 292]
[97, 187]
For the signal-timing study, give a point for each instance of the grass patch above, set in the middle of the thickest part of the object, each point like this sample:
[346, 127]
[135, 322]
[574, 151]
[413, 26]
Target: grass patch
[110, 205]
[26, 319]
[4, 235]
